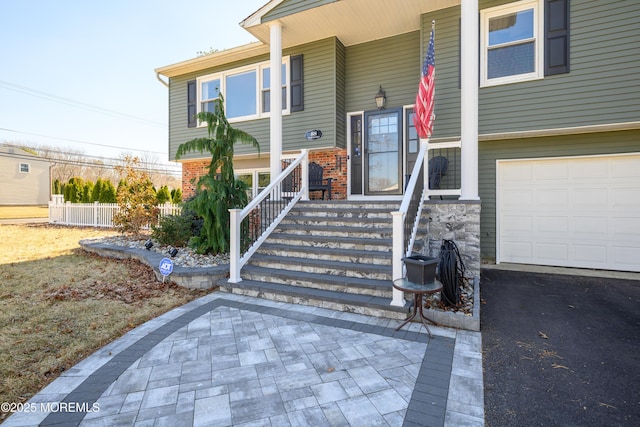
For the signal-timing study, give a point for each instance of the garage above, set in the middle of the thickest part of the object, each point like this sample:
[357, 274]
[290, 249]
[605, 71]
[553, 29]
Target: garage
[570, 212]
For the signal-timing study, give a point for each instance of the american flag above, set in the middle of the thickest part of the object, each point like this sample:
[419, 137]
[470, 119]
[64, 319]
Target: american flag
[424, 117]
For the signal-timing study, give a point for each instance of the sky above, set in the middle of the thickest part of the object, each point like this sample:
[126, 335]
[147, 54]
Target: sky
[79, 75]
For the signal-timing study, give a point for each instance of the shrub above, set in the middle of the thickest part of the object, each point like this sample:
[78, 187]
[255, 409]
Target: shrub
[163, 196]
[176, 196]
[136, 200]
[178, 230]
[173, 230]
[107, 193]
[97, 189]
[192, 216]
[73, 190]
[57, 187]
[87, 192]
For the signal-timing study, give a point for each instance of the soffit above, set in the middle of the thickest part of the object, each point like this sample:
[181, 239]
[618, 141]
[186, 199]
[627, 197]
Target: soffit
[351, 21]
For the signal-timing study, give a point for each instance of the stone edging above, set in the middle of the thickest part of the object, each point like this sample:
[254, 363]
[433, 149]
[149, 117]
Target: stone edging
[192, 278]
[460, 320]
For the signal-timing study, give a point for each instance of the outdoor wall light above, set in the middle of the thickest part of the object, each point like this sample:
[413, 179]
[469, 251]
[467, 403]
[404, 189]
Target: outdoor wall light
[148, 244]
[381, 98]
[173, 252]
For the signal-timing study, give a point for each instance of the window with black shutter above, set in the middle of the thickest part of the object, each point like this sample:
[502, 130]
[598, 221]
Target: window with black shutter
[520, 41]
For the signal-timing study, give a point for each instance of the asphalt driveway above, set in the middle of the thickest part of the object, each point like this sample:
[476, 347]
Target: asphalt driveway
[560, 350]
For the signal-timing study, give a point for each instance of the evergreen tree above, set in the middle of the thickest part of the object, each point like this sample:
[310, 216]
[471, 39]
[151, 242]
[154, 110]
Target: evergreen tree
[108, 192]
[87, 192]
[163, 195]
[218, 190]
[97, 189]
[176, 196]
[57, 187]
[73, 190]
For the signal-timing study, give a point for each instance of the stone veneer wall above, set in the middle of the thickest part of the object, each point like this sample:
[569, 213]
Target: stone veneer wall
[333, 161]
[458, 221]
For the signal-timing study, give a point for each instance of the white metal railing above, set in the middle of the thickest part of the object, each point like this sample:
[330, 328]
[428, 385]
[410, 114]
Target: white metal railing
[251, 226]
[406, 220]
[93, 214]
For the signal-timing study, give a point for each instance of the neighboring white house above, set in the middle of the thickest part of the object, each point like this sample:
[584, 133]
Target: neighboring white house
[24, 178]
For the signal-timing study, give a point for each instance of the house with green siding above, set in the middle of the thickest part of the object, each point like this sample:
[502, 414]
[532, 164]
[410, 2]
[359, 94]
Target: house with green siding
[537, 112]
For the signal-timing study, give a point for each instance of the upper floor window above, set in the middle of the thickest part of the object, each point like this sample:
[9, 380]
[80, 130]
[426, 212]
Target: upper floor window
[241, 97]
[24, 168]
[246, 91]
[266, 89]
[511, 39]
[209, 93]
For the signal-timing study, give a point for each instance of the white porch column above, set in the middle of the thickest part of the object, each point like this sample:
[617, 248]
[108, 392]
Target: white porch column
[469, 99]
[275, 84]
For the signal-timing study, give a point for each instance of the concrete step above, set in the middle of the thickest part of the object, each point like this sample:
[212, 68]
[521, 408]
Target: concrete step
[320, 266]
[342, 301]
[345, 243]
[321, 206]
[352, 256]
[354, 285]
[329, 231]
[337, 221]
[342, 212]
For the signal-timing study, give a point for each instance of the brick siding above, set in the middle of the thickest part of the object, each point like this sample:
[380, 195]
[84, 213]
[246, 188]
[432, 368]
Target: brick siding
[191, 171]
[333, 161]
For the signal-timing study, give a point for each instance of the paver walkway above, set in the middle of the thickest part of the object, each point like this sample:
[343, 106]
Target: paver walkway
[226, 359]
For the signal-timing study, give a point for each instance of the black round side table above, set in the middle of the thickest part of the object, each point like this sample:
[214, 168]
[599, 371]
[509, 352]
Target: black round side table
[418, 290]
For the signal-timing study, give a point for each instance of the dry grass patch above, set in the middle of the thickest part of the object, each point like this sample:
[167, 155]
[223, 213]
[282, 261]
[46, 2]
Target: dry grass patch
[18, 212]
[58, 304]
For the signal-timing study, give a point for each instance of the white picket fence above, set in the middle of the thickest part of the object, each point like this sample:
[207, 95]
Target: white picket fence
[92, 214]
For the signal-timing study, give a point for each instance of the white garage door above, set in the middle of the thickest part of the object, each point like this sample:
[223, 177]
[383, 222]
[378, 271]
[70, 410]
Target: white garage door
[571, 212]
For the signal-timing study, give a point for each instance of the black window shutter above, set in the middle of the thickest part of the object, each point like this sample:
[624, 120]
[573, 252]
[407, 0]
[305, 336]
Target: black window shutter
[297, 84]
[556, 37]
[191, 103]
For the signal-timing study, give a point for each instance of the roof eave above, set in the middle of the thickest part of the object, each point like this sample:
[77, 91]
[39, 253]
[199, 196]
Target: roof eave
[212, 60]
[256, 17]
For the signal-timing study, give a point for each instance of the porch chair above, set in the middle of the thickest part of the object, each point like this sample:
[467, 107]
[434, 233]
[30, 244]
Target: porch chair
[437, 169]
[316, 180]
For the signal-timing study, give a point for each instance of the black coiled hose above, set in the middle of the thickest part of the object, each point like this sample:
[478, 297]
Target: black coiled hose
[451, 270]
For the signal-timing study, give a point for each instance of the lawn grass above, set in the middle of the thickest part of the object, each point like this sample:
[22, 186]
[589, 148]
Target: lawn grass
[59, 304]
[19, 212]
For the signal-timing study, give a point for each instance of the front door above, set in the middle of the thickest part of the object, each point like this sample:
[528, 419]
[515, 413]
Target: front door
[382, 146]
